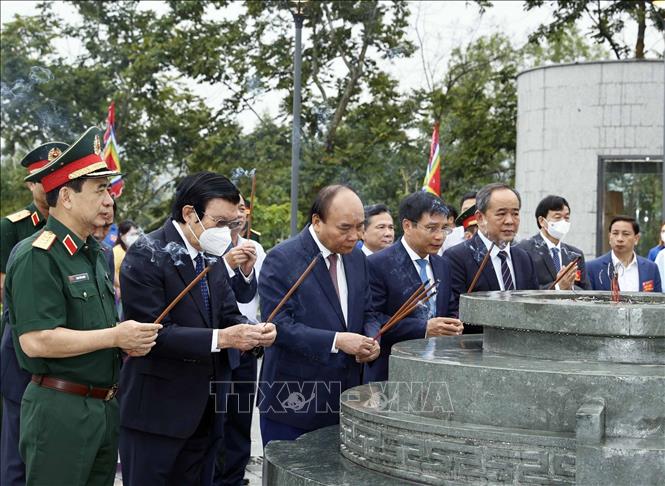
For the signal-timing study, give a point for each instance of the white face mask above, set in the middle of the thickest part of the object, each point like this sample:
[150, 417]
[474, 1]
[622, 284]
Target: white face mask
[213, 240]
[558, 229]
[129, 239]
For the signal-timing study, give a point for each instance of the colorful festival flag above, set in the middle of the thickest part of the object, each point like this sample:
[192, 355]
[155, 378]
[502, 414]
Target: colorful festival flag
[111, 153]
[432, 181]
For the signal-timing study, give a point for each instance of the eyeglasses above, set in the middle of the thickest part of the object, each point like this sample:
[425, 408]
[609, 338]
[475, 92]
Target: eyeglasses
[432, 230]
[221, 223]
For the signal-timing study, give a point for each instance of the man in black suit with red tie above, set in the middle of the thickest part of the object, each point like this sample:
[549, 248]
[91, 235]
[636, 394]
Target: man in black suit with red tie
[509, 267]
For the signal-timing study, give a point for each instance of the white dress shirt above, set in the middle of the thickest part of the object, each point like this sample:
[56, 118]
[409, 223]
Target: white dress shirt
[496, 261]
[629, 276]
[251, 308]
[551, 245]
[341, 281]
[414, 256]
[366, 250]
[193, 253]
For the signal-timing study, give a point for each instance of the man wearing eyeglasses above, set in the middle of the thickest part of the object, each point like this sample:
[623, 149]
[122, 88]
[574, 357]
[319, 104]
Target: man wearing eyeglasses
[169, 425]
[397, 271]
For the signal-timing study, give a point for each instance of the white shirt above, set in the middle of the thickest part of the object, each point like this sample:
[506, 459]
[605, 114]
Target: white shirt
[341, 281]
[193, 253]
[251, 308]
[366, 250]
[660, 263]
[629, 276]
[414, 256]
[551, 245]
[496, 261]
[454, 238]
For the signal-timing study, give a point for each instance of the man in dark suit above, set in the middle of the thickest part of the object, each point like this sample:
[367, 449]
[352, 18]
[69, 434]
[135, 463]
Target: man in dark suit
[509, 268]
[397, 271]
[549, 254]
[325, 329]
[633, 273]
[167, 408]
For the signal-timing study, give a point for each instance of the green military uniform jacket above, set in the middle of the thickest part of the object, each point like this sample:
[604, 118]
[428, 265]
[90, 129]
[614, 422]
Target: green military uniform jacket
[16, 227]
[58, 280]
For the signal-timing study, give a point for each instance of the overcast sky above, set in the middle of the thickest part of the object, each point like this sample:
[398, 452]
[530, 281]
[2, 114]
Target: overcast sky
[442, 25]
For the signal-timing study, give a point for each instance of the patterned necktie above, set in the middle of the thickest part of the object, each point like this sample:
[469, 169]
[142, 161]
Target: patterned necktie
[332, 259]
[203, 283]
[422, 263]
[505, 271]
[555, 259]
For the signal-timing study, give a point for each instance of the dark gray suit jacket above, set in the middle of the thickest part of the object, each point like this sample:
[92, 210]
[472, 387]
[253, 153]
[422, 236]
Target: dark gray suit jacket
[542, 260]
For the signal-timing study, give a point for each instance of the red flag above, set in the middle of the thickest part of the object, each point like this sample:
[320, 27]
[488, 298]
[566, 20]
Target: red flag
[432, 182]
[111, 152]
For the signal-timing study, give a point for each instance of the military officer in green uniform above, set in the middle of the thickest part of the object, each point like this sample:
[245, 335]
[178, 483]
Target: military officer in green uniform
[65, 330]
[26, 222]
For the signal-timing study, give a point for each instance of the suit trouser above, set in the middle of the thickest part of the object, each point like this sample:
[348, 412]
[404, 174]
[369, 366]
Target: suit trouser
[68, 439]
[12, 472]
[237, 442]
[153, 459]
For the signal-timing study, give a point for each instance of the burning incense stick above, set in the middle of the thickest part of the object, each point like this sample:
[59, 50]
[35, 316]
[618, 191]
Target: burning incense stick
[251, 207]
[295, 286]
[182, 294]
[566, 270]
[420, 296]
[483, 263]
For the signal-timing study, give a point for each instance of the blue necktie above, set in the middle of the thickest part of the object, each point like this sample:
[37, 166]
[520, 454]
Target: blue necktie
[422, 263]
[203, 283]
[555, 258]
[505, 271]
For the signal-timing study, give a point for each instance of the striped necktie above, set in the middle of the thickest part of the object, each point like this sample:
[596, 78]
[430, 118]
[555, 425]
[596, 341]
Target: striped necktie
[505, 271]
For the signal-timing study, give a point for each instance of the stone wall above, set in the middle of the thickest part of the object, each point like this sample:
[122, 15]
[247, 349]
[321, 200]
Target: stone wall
[568, 115]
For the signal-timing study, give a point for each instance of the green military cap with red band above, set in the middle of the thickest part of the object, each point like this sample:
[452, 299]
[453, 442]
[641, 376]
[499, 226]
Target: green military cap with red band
[42, 155]
[82, 159]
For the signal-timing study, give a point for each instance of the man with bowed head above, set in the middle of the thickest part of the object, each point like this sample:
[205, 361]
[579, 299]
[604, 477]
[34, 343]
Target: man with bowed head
[325, 329]
[399, 270]
[509, 267]
[169, 427]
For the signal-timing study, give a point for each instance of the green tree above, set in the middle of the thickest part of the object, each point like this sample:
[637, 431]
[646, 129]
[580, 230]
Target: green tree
[608, 20]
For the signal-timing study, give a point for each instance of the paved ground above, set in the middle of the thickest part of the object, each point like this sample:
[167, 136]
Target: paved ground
[255, 467]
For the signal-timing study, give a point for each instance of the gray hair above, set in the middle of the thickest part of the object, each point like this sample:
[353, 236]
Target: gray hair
[484, 194]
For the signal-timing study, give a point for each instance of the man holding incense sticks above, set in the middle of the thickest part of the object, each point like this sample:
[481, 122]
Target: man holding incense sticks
[325, 328]
[550, 255]
[508, 267]
[397, 271]
[65, 329]
[169, 428]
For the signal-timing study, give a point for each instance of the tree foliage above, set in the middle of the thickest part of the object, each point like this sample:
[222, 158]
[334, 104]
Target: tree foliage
[162, 68]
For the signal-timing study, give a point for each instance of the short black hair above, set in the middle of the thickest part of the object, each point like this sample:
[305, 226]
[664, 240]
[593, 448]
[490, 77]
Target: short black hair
[415, 205]
[627, 219]
[467, 195]
[324, 198]
[484, 194]
[374, 210]
[125, 226]
[550, 203]
[52, 196]
[452, 212]
[200, 188]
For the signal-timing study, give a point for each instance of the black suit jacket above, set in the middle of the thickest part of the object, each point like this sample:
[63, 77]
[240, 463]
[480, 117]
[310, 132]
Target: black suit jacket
[465, 260]
[167, 391]
[544, 265]
[394, 278]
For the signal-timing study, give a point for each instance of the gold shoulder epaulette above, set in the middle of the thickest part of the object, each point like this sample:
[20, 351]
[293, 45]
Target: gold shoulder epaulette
[18, 215]
[45, 240]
